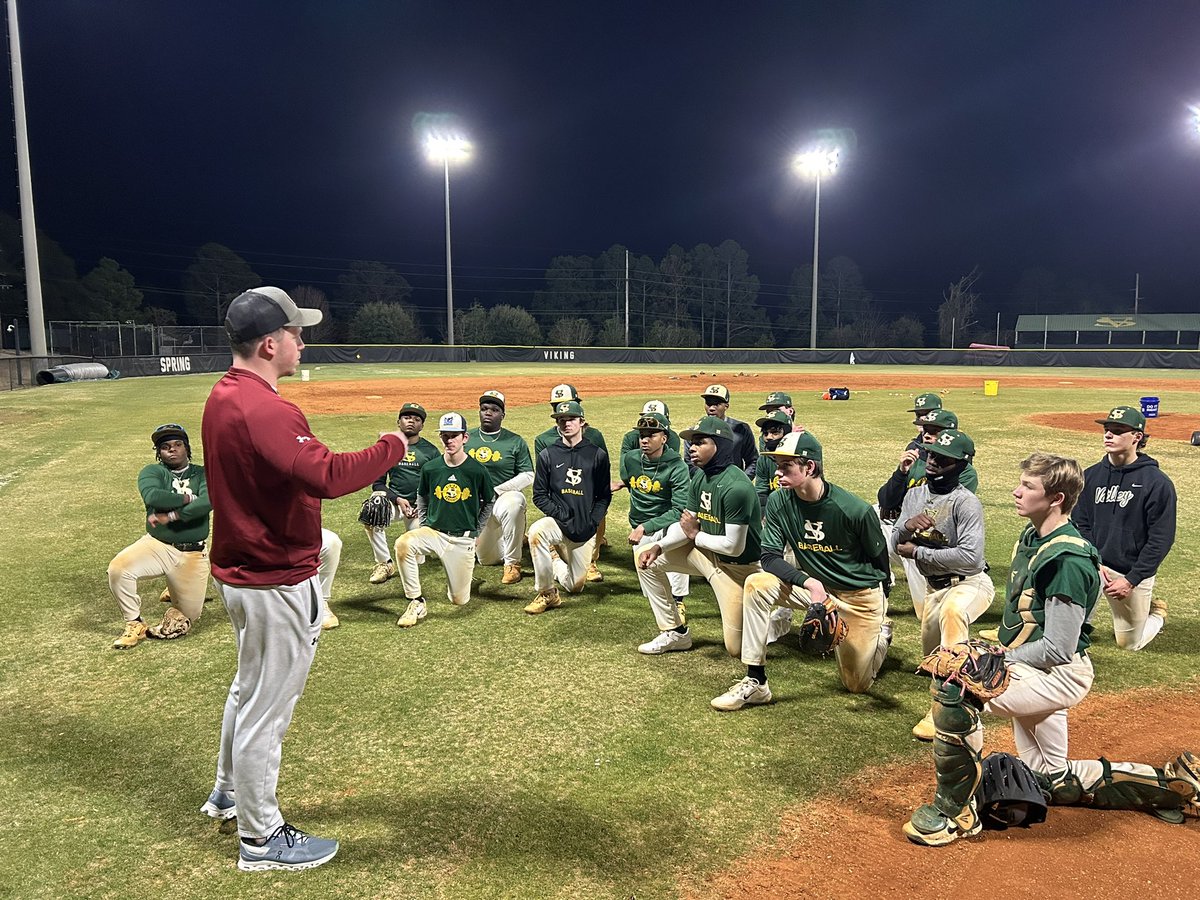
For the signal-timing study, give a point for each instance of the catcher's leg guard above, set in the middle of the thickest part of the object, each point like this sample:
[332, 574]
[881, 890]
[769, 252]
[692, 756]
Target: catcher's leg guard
[1164, 792]
[953, 813]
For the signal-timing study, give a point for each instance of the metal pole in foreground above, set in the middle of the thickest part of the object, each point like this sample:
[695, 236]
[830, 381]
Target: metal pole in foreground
[33, 275]
[449, 276]
[816, 244]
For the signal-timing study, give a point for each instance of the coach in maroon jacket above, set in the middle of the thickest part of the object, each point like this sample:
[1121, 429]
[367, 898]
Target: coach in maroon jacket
[267, 475]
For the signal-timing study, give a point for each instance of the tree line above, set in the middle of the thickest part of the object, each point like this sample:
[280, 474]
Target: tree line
[703, 297]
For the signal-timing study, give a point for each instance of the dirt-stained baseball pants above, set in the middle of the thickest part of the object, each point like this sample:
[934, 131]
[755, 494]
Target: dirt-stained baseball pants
[949, 612]
[725, 579]
[859, 656]
[275, 630]
[917, 586]
[186, 572]
[573, 560]
[1037, 702]
[1130, 614]
[678, 583]
[457, 553]
[328, 561]
[500, 540]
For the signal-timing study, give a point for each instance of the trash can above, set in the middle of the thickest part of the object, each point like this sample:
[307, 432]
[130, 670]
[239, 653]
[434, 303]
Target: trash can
[991, 388]
[1150, 407]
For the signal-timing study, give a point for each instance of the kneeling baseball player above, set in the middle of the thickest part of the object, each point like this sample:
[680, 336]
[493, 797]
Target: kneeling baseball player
[394, 494]
[716, 538]
[572, 488]
[454, 500]
[940, 529]
[841, 561]
[1039, 672]
[175, 495]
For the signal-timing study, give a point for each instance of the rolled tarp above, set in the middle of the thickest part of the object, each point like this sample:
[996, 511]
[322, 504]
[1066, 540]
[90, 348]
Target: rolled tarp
[88, 371]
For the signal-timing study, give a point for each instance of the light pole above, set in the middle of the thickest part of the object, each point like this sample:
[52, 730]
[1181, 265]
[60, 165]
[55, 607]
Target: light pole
[814, 164]
[446, 149]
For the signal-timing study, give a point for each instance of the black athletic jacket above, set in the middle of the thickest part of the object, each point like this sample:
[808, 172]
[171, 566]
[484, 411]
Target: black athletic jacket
[1129, 514]
[572, 486]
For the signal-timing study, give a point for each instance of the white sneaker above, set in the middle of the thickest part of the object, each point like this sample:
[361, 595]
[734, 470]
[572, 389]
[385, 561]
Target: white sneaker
[382, 572]
[413, 614]
[667, 642]
[781, 623]
[746, 692]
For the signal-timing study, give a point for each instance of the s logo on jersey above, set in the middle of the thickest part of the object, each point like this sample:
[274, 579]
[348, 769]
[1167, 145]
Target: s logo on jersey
[410, 457]
[775, 483]
[706, 501]
[484, 454]
[181, 485]
[814, 531]
[451, 493]
[574, 476]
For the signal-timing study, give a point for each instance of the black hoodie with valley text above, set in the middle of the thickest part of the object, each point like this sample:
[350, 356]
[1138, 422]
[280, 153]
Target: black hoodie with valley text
[1128, 512]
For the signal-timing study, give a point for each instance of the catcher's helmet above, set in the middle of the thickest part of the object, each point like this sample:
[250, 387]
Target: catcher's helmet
[1008, 794]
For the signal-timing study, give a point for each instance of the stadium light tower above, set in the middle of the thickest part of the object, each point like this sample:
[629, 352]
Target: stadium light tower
[817, 163]
[445, 149]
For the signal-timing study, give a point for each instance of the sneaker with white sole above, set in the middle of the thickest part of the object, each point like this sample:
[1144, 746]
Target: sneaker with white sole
[413, 614]
[747, 692]
[593, 574]
[134, 634]
[512, 574]
[220, 805]
[287, 849]
[330, 622]
[780, 625]
[667, 642]
[543, 601]
[925, 730]
[382, 572]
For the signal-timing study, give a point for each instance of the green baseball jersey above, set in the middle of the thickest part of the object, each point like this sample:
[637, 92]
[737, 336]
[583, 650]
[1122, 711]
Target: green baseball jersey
[765, 479]
[401, 479]
[835, 539]
[658, 488]
[505, 454]
[548, 437]
[916, 476]
[1061, 564]
[632, 438]
[728, 499]
[454, 495]
[165, 491]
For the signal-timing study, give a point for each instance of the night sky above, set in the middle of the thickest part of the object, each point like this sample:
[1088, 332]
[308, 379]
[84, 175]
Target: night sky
[1001, 134]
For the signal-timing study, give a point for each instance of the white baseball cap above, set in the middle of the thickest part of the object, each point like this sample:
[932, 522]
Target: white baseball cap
[655, 406]
[452, 422]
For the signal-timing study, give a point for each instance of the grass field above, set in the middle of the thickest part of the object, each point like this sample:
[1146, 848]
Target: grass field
[484, 753]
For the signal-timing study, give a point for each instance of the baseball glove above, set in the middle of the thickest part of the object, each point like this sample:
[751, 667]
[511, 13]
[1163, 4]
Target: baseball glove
[821, 629]
[977, 665]
[375, 512]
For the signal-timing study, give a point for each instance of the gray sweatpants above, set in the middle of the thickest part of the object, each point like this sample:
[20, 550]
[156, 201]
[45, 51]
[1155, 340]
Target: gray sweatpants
[276, 631]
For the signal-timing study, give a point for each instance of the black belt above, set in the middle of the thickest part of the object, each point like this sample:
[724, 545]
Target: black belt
[941, 582]
[191, 547]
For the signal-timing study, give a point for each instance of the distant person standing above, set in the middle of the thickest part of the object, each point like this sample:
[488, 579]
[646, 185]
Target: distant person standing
[267, 474]
[716, 399]
[1127, 510]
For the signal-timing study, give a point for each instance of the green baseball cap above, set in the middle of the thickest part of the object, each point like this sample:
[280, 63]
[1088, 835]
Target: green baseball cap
[561, 392]
[937, 418]
[777, 417]
[776, 399]
[797, 445]
[952, 443]
[709, 426]
[717, 392]
[652, 421]
[925, 402]
[1129, 416]
[567, 409]
[415, 409]
[493, 397]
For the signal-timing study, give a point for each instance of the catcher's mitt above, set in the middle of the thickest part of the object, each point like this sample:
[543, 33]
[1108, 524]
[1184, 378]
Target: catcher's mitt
[375, 512]
[821, 629]
[976, 665]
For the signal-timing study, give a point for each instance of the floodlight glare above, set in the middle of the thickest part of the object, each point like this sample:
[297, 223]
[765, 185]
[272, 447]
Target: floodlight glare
[1195, 111]
[447, 149]
[818, 162]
